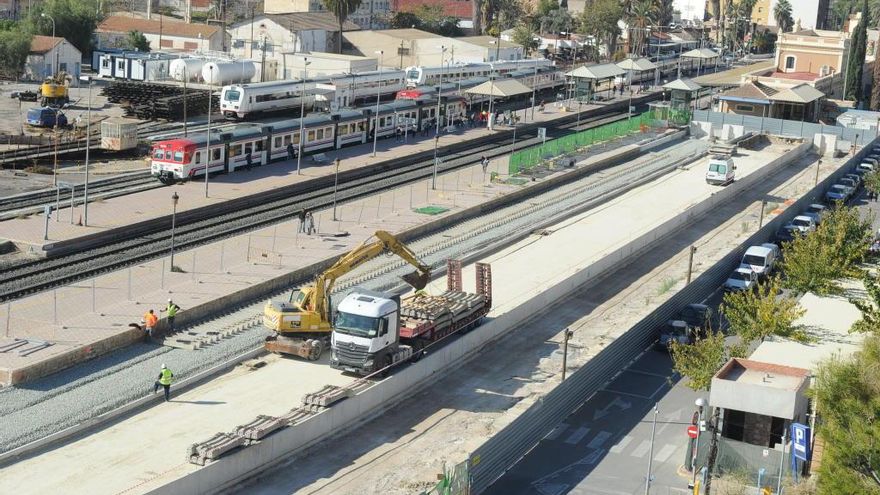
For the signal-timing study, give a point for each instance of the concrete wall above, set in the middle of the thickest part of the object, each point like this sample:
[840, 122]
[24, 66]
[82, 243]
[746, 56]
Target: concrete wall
[350, 412]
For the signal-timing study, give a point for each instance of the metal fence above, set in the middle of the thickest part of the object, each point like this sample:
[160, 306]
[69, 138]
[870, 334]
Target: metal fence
[783, 127]
[503, 450]
[454, 481]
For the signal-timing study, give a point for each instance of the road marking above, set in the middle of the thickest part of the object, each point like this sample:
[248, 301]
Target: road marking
[661, 387]
[665, 452]
[648, 373]
[551, 488]
[626, 393]
[556, 431]
[577, 435]
[642, 449]
[620, 445]
[605, 411]
[599, 440]
[590, 458]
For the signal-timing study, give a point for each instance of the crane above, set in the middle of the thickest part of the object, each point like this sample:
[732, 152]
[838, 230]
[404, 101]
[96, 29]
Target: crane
[302, 325]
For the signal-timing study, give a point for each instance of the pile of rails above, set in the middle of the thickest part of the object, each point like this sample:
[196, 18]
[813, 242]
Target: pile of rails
[149, 101]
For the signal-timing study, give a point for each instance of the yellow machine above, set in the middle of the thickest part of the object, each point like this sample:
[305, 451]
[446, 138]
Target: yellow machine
[302, 325]
[54, 90]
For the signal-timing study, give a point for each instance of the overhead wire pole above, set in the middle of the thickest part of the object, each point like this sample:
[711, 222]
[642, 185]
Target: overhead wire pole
[302, 113]
[378, 95]
[88, 80]
[439, 90]
[208, 140]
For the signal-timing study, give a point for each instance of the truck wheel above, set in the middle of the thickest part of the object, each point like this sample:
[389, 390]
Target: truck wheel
[417, 351]
[315, 351]
[386, 363]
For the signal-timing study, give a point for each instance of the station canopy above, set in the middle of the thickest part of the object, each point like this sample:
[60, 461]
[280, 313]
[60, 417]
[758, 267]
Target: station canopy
[683, 85]
[636, 64]
[803, 93]
[701, 53]
[598, 71]
[500, 88]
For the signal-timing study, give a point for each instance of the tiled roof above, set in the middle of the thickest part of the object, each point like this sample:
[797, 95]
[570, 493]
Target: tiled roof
[42, 44]
[802, 93]
[461, 9]
[304, 21]
[751, 90]
[800, 76]
[122, 24]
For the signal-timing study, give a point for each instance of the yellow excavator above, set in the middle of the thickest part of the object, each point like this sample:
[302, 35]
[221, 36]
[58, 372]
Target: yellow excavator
[302, 325]
[54, 90]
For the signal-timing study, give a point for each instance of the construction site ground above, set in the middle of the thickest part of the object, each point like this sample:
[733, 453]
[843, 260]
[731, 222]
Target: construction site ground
[452, 418]
[448, 420]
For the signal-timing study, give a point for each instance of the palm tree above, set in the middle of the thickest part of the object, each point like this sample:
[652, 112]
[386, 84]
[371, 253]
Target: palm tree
[341, 10]
[642, 16]
[782, 14]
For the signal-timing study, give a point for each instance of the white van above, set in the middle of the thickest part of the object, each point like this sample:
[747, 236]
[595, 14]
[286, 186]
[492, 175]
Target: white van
[760, 259]
[721, 170]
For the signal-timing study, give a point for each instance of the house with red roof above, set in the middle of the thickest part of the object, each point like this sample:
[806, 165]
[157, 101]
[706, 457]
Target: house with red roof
[49, 55]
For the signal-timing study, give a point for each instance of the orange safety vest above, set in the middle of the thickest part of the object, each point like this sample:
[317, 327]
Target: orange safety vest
[150, 319]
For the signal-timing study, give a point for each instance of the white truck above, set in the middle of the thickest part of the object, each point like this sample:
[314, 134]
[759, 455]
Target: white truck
[721, 170]
[373, 331]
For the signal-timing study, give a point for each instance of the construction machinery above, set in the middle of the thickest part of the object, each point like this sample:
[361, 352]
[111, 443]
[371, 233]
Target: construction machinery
[54, 90]
[302, 325]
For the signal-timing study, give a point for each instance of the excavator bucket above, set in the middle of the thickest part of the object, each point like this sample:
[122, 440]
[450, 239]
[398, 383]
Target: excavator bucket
[417, 279]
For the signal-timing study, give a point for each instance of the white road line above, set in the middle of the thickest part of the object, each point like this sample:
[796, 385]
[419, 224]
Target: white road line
[556, 431]
[661, 387]
[599, 439]
[642, 449]
[577, 435]
[665, 452]
[648, 373]
[620, 445]
[610, 391]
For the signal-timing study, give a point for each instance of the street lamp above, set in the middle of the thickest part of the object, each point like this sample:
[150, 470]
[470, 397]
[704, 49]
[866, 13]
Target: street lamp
[378, 94]
[47, 16]
[174, 199]
[434, 175]
[87, 80]
[208, 140]
[302, 113]
[700, 403]
[439, 90]
[534, 89]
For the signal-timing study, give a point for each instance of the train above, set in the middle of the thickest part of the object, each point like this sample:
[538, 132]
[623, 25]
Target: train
[335, 92]
[541, 80]
[184, 158]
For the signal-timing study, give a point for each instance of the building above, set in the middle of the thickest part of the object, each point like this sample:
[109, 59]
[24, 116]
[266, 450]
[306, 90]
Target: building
[281, 34]
[371, 14]
[49, 55]
[759, 400]
[810, 13]
[460, 9]
[163, 34]
[491, 50]
[325, 64]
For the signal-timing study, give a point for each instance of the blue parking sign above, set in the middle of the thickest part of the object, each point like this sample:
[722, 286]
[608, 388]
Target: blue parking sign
[800, 436]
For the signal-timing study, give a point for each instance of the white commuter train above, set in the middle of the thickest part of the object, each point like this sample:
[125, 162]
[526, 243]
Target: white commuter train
[420, 76]
[238, 101]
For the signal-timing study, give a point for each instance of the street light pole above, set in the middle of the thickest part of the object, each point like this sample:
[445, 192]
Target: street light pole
[378, 95]
[47, 16]
[699, 402]
[567, 335]
[439, 90]
[208, 140]
[534, 90]
[174, 199]
[88, 80]
[434, 175]
[651, 453]
[302, 113]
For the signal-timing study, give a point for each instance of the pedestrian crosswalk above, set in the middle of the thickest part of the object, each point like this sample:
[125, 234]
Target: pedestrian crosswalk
[625, 445]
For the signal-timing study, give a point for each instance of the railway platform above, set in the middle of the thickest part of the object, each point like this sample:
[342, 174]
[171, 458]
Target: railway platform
[158, 452]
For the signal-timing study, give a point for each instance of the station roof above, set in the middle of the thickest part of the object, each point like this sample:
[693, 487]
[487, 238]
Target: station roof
[683, 84]
[731, 77]
[750, 92]
[802, 93]
[598, 71]
[636, 64]
[503, 87]
[123, 24]
[701, 53]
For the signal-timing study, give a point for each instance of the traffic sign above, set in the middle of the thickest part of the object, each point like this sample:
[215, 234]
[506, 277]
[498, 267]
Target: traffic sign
[693, 431]
[800, 434]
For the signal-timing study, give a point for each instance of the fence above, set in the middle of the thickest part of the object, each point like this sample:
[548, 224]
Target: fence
[503, 450]
[531, 157]
[454, 481]
[783, 127]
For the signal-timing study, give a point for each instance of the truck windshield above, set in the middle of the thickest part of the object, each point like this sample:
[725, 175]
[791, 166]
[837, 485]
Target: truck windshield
[298, 298]
[753, 260]
[718, 168]
[357, 325]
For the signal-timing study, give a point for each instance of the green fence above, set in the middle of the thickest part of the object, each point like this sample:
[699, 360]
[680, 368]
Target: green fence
[530, 157]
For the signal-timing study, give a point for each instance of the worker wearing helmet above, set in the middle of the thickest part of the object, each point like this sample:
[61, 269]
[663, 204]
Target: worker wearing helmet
[165, 377]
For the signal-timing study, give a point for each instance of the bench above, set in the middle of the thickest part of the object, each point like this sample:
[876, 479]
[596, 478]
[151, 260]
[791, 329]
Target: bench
[319, 158]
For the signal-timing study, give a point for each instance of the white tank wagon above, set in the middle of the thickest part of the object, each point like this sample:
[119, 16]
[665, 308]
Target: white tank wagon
[189, 69]
[220, 73]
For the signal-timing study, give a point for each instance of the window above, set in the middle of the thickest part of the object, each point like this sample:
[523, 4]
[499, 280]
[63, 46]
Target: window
[789, 62]
[105, 63]
[120, 65]
[310, 136]
[320, 134]
[232, 95]
[277, 142]
[158, 154]
[259, 145]
[296, 138]
[286, 140]
[167, 43]
[745, 108]
[215, 154]
[198, 157]
[343, 130]
[168, 155]
[190, 45]
[248, 148]
[178, 156]
[235, 150]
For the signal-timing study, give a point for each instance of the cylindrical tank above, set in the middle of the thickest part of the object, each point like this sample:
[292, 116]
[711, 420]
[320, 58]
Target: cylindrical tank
[186, 67]
[218, 73]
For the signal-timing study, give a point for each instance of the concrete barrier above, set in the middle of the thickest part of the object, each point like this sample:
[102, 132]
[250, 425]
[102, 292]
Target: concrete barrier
[350, 413]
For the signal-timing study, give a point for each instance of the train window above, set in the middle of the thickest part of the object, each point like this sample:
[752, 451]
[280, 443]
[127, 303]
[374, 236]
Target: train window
[361, 126]
[320, 133]
[343, 130]
[198, 158]
[296, 138]
[310, 136]
[168, 155]
[259, 145]
[215, 154]
[277, 142]
[235, 150]
[158, 154]
[248, 148]
[286, 140]
[178, 156]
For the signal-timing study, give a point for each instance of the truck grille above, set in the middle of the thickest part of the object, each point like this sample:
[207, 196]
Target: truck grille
[350, 352]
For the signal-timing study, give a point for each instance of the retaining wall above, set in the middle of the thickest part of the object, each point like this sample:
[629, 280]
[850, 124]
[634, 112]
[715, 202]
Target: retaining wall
[353, 411]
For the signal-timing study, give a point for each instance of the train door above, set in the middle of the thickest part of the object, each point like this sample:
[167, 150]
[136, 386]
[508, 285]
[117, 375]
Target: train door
[267, 149]
[216, 151]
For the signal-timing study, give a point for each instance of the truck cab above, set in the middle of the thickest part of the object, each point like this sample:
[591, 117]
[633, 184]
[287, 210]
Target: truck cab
[721, 170]
[366, 332]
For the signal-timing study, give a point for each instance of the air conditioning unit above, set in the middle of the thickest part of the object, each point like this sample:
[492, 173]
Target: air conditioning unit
[824, 70]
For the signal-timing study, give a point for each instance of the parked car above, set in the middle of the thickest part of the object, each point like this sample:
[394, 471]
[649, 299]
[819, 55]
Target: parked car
[848, 182]
[837, 192]
[741, 279]
[804, 223]
[855, 178]
[721, 170]
[24, 95]
[864, 168]
[816, 211]
[787, 233]
[760, 259]
[675, 331]
[46, 117]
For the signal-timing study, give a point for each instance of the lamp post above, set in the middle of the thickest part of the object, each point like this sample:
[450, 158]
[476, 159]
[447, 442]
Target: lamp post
[174, 199]
[434, 175]
[87, 80]
[651, 453]
[47, 16]
[302, 113]
[534, 89]
[700, 403]
[208, 140]
[439, 90]
[378, 95]
[491, 119]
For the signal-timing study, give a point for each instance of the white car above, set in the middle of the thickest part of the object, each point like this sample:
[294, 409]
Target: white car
[804, 223]
[743, 278]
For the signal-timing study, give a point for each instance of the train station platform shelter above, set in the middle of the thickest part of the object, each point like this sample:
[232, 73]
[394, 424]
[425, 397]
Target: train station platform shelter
[586, 78]
[682, 92]
[501, 88]
[636, 66]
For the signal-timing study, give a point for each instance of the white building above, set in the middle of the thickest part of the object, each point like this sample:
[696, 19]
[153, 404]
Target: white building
[325, 64]
[285, 33]
[491, 50]
[48, 55]
[163, 34]
[371, 14]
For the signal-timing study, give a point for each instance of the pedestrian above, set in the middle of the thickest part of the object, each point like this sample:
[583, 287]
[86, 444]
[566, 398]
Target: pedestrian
[484, 162]
[310, 223]
[249, 160]
[171, 310]
[291, 151]
[164, 381]
[302, 221]
[397, 134]
[149, 322]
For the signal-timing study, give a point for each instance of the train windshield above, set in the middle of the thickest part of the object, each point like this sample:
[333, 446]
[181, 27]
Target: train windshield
[413, 74]
[158, 154]
[232, 95]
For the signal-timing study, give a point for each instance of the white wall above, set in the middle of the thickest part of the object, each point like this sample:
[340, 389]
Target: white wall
[279, 40]
[38, 67]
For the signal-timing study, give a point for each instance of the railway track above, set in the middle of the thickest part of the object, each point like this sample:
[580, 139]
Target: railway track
[251, 213]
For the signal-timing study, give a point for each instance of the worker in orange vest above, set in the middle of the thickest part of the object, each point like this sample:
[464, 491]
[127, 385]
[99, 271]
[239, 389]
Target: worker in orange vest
[149, 321]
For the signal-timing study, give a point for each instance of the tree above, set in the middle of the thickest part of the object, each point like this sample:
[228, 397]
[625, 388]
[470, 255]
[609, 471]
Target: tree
[477, 16]
[135, 40]
[523, 35]
[510, 13]
[600, 21]
[699, 361]
[433, 20]
[847, 392]
[545, 7]
[665, 11]
[872, 179]
[404, 20]
[875, 86]
[341, 9]
[557, 21]
[782, 15]
[855, 64]
[870, 307]
[756, 315]
[75, 21]
[15, 45]
[642, 15]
